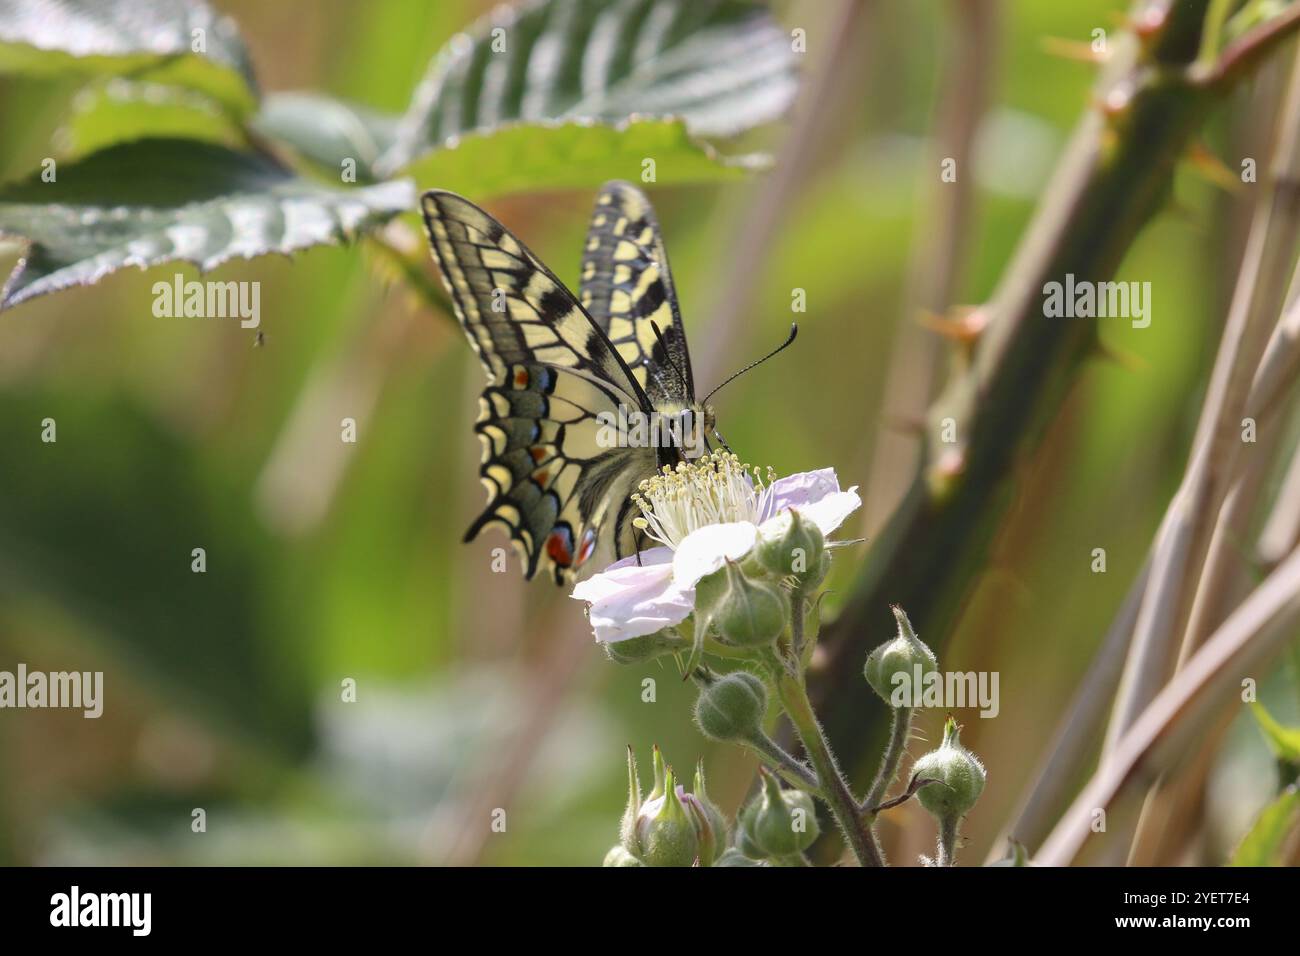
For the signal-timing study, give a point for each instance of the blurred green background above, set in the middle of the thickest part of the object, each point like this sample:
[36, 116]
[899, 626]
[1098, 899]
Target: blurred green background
[476, 691]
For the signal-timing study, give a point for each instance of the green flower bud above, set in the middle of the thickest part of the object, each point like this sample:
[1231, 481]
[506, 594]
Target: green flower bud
[785, 821]
[628, 825]
[959, 773]
[748, 818]
[732, 708]
[901, 656]
[746, 611]
[670, 827]
[665, 832]
[637, 650]
[618, 856]
[711, 825]
[791, 545]
[734, 857]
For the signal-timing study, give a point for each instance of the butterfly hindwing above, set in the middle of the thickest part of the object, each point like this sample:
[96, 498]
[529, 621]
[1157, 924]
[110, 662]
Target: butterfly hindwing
[628, 289]
[551, 370]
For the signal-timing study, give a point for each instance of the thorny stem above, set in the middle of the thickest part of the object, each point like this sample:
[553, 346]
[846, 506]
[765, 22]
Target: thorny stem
[794, 697]
[1115, 175]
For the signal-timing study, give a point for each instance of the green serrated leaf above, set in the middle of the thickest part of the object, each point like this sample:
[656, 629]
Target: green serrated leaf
[328, 132]
[576, 155]
[1282, 740]
[117, 111]
[721, 66]
[160, 200]
[1264, 844]
[175, 42]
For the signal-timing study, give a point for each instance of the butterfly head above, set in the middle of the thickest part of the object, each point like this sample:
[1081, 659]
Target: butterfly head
[684, 431]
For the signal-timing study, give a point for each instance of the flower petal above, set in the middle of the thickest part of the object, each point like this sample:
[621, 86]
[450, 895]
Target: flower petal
[829, 513]
[793, 491]
[629, 600]
[706, 549]
[816, 495]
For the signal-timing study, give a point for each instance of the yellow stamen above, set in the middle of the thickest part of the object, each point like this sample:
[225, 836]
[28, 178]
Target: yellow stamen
[715, 489]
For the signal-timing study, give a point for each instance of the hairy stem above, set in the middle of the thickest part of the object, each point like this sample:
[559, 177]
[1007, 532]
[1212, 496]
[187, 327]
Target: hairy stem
[793, 771]
[794, 697]
[900, 727]
[948, 841]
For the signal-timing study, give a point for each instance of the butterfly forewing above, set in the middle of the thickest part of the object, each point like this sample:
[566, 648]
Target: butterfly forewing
[628, 289]
[551, 370]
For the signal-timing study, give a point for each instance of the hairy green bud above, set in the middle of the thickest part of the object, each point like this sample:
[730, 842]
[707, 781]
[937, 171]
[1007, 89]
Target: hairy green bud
[790, 545]
[638, 650]
[891, 669]
[784, 822]
[732, 708]
[619, 856]
[749, 612]
[959, 773]
[670, 827]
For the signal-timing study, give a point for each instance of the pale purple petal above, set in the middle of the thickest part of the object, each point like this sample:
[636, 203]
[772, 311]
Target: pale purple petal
[706, 549]
[629, 600]
[816, 495]
[794, 491]
[829, 513]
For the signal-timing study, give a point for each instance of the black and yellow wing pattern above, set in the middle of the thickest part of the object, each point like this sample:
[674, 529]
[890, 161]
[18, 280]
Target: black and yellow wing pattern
[628, 288]
[551, 369]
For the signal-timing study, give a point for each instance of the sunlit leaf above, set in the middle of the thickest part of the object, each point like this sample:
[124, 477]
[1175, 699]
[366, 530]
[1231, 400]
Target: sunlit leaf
[117, 111]
[1282, 740]
[328, 132]
[722, 66]
[1266, 840]
[179, 42]
[576, 155]
[153, 201]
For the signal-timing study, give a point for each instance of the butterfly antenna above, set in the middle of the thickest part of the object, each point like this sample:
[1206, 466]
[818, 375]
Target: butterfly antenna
[668, 356]
[794, 331]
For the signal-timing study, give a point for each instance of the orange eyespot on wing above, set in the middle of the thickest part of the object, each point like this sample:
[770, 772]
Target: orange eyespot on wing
[559, 546]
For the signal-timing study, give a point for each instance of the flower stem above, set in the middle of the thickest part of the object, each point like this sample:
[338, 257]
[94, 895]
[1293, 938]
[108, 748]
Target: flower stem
[794, 697]
[796, 629]
[948, 841]
[899, 728]
[795, 772]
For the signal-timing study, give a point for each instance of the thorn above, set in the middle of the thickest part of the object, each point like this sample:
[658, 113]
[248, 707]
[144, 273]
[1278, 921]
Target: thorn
[964, 323]
[1115, 101]
[951, 465]
[1074, 50]
[1212, 169]
[1147, 23]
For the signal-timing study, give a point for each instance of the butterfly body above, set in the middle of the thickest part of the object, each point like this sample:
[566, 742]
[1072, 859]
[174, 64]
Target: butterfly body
[587, 395]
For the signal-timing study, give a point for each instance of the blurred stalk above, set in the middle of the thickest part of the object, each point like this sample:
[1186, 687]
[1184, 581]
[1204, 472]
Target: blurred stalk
[1224, 575]
[938, 255]
[1075, 741]
[1186, 709]
[1115, 175]
[826, 95]
[1183, 543]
